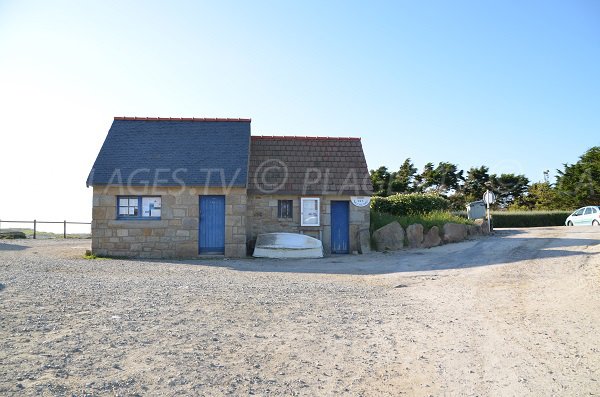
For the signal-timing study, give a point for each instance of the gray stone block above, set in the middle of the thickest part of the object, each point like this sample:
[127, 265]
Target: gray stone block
[432, 238]
[454, 232]
[483, 223]
[473, 230]
[414, 234]
[390, 237]
[189, 223]
[364, 241]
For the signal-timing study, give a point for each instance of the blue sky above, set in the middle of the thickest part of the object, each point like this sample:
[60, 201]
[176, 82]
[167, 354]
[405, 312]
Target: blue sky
[512, 85]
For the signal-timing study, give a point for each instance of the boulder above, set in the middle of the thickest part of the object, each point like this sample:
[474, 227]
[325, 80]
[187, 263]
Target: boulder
[432, 238]
[364, 241]
[474, 230]
[483, 225]
[454, 232]
[390, 237]
[414, 235]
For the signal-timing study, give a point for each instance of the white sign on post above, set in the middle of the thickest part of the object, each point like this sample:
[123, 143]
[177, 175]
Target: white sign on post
[489, 198]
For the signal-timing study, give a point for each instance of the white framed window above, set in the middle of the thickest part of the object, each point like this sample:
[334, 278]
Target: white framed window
[310, 211]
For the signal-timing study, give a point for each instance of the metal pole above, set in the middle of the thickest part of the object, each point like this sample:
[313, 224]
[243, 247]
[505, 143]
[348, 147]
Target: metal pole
[489, 220]
[65, 230]
[34, 227]
[488, 198]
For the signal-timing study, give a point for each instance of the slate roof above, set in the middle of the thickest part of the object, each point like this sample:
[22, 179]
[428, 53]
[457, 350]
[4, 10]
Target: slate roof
[308, 166]
[141, 151]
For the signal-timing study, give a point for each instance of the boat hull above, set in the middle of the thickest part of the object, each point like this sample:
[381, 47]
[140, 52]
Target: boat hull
[287, 245]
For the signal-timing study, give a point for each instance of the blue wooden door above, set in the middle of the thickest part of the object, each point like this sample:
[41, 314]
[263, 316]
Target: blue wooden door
[212, 225]
[340, 227]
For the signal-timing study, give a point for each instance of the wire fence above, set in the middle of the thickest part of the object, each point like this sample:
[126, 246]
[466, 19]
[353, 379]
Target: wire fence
[35, 224]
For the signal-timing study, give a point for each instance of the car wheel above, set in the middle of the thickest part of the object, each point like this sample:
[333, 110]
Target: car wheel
[569, 223]
[595, 223]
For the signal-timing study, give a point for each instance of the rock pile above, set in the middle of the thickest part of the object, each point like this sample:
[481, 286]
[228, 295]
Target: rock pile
[392, 236]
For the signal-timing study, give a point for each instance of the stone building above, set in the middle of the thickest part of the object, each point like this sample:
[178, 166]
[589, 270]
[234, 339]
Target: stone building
[182, 188]
[306, 185]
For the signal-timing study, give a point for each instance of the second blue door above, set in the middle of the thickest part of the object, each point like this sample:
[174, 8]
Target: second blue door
[211, 233]
[340, 227]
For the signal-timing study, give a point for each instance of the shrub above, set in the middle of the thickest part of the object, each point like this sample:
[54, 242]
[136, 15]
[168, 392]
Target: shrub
[427, 220]
[409, 204]
[529, 218]
[89, 255]
[12, 235]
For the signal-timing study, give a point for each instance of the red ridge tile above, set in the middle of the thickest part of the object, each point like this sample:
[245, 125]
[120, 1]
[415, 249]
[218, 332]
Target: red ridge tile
[135, 118]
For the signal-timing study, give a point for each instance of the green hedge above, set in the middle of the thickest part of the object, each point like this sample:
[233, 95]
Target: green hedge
[428, 220]
[529, 218]
[410, 204]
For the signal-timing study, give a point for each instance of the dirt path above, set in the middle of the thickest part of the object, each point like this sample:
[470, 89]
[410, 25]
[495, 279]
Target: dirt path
[514, 314]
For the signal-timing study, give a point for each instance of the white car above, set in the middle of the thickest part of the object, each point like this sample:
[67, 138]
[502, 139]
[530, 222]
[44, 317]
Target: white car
[584, 216]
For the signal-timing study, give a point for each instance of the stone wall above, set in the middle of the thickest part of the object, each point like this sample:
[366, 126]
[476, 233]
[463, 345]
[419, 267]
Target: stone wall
[360, 219]
[175, 235]
[262, 218]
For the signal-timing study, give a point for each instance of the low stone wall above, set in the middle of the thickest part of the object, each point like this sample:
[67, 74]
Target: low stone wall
[175, 235]
[393, 237]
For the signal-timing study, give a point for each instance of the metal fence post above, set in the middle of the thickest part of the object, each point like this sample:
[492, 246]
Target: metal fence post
[65, 230]
[34, 227]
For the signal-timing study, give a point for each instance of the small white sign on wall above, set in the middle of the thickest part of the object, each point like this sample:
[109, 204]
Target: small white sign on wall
[360, 201]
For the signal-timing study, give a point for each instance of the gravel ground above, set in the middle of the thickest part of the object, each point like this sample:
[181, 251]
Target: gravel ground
[513, 314]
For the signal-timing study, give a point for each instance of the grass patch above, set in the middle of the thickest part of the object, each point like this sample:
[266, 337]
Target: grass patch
[379, 219]
[529, 218]
[88, 255]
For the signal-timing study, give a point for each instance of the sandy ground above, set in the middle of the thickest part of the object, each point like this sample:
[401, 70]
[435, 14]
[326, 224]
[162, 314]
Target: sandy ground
[514, 314]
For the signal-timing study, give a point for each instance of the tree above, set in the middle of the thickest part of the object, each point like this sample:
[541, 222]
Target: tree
[476, 183]
[578, 184]
[509, 188]
[380, 178]
[403, 180]
[541, 196]
[449, 177]
[425, 179]
[441, 179]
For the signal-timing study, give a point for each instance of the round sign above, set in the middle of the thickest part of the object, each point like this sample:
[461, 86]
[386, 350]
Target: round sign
[362, 201]
[489, 197]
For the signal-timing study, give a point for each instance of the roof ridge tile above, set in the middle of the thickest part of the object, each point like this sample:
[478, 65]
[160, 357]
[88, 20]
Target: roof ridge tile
[214, 119]
[304, 138]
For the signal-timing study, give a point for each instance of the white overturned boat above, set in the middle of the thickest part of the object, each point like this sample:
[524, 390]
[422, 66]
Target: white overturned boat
[287, 245]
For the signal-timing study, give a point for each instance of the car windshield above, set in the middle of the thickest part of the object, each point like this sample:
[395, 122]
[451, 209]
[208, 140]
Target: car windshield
[579, 211]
